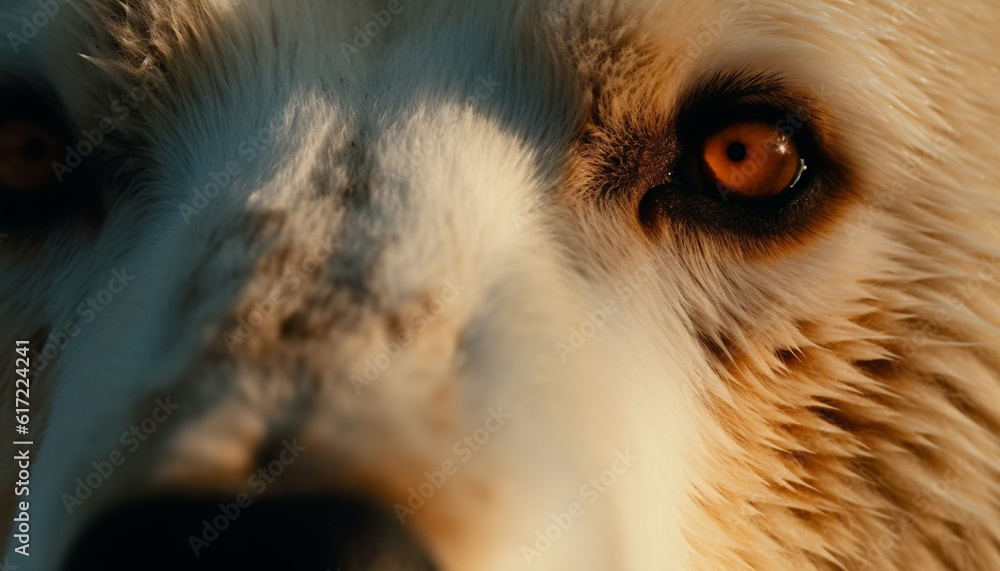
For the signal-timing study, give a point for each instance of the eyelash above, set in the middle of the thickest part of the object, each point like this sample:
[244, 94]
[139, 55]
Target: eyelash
[678, 200]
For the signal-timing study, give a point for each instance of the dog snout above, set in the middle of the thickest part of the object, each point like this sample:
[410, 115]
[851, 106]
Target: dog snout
[279, 533]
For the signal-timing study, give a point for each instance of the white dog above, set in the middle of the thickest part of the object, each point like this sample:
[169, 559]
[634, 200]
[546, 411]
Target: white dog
[523, 284]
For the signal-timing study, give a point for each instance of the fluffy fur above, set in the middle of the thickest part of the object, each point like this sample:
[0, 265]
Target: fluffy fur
[828, 399]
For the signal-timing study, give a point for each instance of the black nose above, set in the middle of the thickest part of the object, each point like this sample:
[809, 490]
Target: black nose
[277, 534]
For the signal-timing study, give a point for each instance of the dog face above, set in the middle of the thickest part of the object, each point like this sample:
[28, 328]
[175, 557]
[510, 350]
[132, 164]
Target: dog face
[548, 285]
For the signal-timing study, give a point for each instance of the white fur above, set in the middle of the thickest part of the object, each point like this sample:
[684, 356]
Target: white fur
[466, 185]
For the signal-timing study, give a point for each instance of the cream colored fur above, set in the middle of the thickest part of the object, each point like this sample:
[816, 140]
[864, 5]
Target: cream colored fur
[829, 402]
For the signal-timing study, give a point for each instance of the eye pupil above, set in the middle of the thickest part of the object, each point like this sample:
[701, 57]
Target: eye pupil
[34, 149]
[736, 151]
[751, 160]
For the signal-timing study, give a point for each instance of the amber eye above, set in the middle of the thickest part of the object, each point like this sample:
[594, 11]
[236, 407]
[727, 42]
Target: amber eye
[28, 150]
[749, 161]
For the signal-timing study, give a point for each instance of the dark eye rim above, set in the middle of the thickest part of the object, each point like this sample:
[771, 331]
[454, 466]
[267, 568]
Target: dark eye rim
[692, 139]
[24, 213]
[721, 101]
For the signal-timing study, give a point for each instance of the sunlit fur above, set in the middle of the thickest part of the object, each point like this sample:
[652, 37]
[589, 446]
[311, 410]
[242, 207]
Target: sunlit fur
[828, 400]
